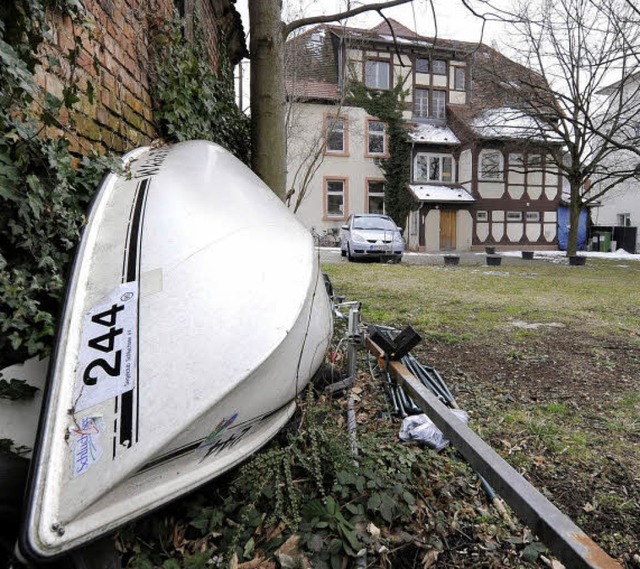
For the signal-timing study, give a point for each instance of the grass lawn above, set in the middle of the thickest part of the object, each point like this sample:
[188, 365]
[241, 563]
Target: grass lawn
[546, 358]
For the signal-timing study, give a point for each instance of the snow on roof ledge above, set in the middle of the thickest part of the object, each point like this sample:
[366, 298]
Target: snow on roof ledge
[432, 193]
[433, 134]
[510, 123]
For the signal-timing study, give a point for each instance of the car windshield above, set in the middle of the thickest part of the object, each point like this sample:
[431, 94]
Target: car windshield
[374, 223]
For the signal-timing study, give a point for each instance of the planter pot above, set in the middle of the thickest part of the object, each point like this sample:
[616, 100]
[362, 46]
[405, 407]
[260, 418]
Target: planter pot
[490, 250]
[527, 255]
[494, 260]
[577, 260]
[451, 260]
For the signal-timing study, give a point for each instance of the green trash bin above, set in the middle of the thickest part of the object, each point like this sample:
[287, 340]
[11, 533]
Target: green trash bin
[604, 239]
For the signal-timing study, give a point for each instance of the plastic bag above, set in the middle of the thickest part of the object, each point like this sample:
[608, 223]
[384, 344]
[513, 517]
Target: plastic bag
[422, 429]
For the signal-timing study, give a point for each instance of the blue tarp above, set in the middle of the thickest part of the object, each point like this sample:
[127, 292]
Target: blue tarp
[564, 224]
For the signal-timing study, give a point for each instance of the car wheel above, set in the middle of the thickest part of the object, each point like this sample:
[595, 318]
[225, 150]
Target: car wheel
[349, 255]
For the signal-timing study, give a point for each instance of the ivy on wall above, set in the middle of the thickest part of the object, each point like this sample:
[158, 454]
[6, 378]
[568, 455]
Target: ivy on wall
[44, 189]
[191, 101]
[387, 107]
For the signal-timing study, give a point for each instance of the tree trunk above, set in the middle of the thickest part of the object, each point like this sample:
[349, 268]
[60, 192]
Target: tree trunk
[268, 137]
[574, 220]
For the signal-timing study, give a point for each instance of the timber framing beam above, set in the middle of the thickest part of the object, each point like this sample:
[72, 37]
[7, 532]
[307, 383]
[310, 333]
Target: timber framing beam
[556, 530]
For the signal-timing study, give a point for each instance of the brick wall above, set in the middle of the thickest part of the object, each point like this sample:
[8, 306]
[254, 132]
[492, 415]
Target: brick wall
[115, 58]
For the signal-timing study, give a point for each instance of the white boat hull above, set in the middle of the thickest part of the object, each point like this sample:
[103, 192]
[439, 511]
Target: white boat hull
[195, 314]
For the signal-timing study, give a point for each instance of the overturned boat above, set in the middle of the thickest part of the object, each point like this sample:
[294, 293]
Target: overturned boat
[195, 313]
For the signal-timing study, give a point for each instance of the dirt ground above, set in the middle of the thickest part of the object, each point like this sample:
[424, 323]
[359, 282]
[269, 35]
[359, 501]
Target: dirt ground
[593, 384]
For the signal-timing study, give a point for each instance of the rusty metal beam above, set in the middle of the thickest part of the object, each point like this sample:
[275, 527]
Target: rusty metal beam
[556, 530]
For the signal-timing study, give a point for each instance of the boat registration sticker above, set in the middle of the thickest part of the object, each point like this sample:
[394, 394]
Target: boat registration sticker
[107, 360]
[86, 445]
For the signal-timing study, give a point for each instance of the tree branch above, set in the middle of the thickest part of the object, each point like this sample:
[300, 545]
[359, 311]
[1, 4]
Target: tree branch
[302, 22]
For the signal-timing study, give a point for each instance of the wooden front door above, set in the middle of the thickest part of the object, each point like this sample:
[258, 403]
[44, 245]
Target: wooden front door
[447, 229]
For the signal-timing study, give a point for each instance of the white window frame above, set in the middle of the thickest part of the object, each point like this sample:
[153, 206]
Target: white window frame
[328, 192]
[440, 65]
[377, 79]
[438, 105]
[513, 216]
[532, 216]
[482, 215]
[371, 194]
[459, 78]
[623, 219]
[497, 175]
[332, 129]
[376, 134]
[428, 157]
[425, 60]
[421, 102]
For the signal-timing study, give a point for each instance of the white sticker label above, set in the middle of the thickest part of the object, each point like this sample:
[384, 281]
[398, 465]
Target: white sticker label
[86, 445]
[108, 352]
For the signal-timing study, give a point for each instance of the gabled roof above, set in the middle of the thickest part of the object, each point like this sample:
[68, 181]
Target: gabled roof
[507, 123]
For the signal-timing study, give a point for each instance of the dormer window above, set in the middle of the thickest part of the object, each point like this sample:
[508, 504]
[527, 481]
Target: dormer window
[439, 67]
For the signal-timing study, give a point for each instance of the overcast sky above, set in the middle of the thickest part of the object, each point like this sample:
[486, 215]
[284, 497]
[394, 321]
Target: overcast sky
[454, 21]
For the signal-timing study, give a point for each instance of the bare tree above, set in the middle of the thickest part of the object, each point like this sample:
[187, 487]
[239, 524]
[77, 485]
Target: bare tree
[266, 46]
[585, 92]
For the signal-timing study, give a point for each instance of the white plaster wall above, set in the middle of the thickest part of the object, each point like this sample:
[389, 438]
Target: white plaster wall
[305, 130]
[423, 79]
[432, 230]
[464, 230]
[457, 97]
[516, 192]
[497, 231]
[440, 80]
[515, 231]
[534, 230]
[482, 231]
[550, 217]
[497, 215]
[550, 230]
[491, 190]
[534, 193]
[464, 169]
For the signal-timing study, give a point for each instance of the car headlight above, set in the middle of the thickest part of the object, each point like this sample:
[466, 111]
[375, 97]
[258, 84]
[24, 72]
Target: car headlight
[358, 238]
[397, 238]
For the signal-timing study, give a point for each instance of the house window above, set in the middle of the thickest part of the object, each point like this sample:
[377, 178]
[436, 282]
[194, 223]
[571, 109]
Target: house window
[335, 197]
[534, 163]
[516, 163]
[623, 219]
[376, 74]
[533, 216]
[439, 67]
[514, 216]
[375, 191]
[422, 65]
[377, 137]
[439, 98]
[336, 131]
[433, 168]
[460, 79]
[482, 216]
[421, 103]
[491, 165]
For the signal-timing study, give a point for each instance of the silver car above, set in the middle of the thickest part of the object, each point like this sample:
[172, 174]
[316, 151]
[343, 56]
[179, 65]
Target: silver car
[371, 235]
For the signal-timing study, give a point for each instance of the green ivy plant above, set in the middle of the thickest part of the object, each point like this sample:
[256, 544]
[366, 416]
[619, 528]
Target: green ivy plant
[44, 189]
[386, 105]
[190, 101]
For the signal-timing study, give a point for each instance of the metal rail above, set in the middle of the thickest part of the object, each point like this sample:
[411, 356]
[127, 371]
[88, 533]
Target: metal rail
[565, 539]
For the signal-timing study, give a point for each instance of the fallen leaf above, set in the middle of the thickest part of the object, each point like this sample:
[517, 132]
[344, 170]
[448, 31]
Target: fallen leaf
[430, 558]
